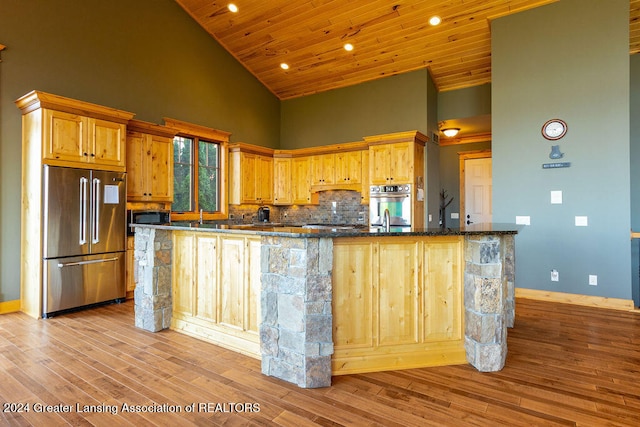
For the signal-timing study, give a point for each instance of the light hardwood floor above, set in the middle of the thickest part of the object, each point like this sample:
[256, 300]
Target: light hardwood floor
[567, 365]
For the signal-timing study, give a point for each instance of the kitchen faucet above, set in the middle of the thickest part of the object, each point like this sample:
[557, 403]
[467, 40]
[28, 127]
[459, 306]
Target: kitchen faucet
[386, 222]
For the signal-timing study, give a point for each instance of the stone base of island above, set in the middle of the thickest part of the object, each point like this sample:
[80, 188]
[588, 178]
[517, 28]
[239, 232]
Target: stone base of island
[315, 303]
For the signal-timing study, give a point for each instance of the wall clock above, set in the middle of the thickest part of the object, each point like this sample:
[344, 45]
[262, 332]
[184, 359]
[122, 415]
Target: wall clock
[554, 129]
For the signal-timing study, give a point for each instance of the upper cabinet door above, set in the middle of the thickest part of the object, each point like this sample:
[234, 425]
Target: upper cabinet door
[282, 181]
[106, 143]
[301, 180]
[63, 136]
[161, 168]
[149, 168]
[348, 167]
[136, 166]
[323, 169]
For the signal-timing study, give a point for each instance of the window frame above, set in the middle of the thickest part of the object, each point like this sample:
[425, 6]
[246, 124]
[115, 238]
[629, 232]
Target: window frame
[198, 132]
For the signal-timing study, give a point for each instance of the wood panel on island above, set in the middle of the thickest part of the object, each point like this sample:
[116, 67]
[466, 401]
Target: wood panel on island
[311, 304]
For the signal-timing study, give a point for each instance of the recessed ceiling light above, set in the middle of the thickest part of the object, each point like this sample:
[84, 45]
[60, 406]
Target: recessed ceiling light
[284, 66]
[435, 20]
[348, 47]
[232, 7]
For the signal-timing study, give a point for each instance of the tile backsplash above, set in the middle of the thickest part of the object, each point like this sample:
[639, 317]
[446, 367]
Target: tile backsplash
[334, 207]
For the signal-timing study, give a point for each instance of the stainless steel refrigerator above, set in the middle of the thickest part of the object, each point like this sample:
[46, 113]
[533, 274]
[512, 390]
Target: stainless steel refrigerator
[84, 239]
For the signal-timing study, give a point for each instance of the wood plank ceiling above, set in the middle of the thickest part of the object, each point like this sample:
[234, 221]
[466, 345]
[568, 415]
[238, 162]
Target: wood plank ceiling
[389, 37]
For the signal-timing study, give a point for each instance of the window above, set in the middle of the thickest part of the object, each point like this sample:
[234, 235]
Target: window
[199, 175]
[203, 162]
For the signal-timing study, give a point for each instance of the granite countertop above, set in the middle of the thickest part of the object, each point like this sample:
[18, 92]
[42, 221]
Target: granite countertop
[293, 230]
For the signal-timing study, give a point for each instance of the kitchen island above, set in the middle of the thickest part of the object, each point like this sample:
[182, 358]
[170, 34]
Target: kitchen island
[312, 303]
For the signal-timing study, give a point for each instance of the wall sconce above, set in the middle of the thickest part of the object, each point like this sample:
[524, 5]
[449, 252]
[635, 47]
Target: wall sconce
[450, 132]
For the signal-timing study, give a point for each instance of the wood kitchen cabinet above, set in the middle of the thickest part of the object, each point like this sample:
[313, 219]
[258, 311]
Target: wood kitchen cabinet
[282, 194]
[323, 169]
[365, 187]
[129, 271]
[348, 167]
[72, 137]
[391, 163]
[149, 162]
[301, 180]
[83, 141]
[250, 174]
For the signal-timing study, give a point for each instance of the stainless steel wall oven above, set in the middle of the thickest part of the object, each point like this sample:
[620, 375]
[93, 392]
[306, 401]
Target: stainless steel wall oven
[393, 200]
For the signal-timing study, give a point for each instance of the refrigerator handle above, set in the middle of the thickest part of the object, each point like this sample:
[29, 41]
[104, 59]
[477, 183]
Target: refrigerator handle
[83, 210]
[95, 228]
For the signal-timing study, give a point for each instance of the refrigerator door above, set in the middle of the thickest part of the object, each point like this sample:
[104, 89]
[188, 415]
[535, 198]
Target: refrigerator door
[66, 211]
[84, 212]
[78, 281]
[107, 225]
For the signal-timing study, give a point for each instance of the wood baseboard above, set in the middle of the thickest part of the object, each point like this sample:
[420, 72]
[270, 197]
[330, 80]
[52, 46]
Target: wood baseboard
[586, 300]
[9, 306]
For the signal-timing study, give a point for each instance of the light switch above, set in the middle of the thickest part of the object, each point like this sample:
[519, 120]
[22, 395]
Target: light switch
[556, 197]
[582, 221]
[455, 215]
[523, 220]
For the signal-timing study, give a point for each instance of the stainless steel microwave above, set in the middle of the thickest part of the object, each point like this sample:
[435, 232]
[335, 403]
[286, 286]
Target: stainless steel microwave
[157, 217]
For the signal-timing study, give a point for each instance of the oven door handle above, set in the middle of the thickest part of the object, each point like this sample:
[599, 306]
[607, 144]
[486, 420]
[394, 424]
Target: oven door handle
[383, 197]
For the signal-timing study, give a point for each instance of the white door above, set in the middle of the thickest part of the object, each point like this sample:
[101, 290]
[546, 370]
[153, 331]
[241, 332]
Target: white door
[477, 190]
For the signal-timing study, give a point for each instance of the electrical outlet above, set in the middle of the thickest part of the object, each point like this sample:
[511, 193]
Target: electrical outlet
[555, 276]
[593, 280]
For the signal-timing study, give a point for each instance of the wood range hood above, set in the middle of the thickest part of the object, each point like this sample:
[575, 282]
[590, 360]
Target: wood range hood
[336, 187]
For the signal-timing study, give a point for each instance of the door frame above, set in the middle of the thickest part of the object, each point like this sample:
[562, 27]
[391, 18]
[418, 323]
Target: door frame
[462, 157]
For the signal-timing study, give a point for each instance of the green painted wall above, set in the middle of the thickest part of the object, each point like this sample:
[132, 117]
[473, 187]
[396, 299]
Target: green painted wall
[570, 60]
[392, 104]
[144, 56]
[467, 102]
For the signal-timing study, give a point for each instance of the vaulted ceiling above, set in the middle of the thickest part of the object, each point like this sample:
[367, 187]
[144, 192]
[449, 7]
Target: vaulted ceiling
[389, 37]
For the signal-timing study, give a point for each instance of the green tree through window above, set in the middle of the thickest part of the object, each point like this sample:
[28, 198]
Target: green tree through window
[191, 195]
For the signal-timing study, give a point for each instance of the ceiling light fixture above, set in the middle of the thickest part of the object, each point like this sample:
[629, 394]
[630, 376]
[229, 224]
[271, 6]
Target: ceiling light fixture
[435, 20]
[450, 132]
[284, 66]
[232, 7]
[348, 47]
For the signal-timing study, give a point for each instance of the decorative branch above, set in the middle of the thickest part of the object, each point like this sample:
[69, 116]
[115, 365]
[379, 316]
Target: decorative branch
[443, 207]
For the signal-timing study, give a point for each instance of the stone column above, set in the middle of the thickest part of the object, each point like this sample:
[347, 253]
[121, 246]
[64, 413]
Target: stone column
[509, 272]
[296, 328]
[152, 274]
[485, 296]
